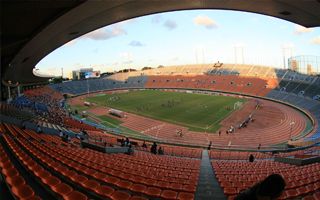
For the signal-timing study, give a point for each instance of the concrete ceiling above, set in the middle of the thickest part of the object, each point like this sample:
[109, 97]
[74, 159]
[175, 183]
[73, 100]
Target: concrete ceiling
[30, 30]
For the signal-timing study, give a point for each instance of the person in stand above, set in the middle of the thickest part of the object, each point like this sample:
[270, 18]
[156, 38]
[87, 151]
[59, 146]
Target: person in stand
[270, 188]
[39, 129]
[144, 145]
[251, 158]
[160, 151]
[130, 150]
[154, 148]
[122, 142]
[126, 142]
[209, 146]
[219, 133]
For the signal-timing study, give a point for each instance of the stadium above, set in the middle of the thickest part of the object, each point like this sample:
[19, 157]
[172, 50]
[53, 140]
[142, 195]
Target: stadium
[171, 132]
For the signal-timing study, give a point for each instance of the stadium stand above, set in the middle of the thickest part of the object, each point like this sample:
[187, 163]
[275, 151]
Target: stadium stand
[63, 169]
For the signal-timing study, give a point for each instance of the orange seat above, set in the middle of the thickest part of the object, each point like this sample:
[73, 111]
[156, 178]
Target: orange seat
[153, 191]
[104, 191]
[316, 195]
[51, 181]
[189, 188]
[62, 189]
[176, 186]
[185, 196]
[90, 184]
[79, 179]
[112, 180]
[302, 190]
[120, 195]
[100, 176]
[138, 198]
[169, 194]
[230, 190]
[15, 181]
[23, 192]
[10, 172]
[291, 193]
[124, 184]
[42, 174]
[138, 188]
[75, 195]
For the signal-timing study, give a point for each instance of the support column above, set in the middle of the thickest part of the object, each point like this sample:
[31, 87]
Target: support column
[18, 87]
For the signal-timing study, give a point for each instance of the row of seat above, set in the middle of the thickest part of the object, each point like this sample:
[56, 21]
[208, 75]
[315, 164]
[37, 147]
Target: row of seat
[235, 176]
[45, 177]
[17, 184]
[82, 173]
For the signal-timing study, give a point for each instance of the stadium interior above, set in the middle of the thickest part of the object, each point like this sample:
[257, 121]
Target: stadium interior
[56, 144]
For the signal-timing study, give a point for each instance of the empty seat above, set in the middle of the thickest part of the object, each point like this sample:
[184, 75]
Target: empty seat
[90, 184]
[138, 198]
[153, 191]
[15, 181]
[120, 195]
[75, 195]
[51, 181]
[23, 192]
[62, 189]
[138, 188]
[169, 194]
[185, 196]
[104, 191]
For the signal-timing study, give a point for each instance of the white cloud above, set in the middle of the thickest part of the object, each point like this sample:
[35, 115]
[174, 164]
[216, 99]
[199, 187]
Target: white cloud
[157, 19]
[316, 40]
[176, 58]
[128, 21]
[70, 43]
[135, 43]
[205, 21]
[239, 45]
[301, 29]
[104, 34]
[126, 56]
[288, 45]
[170, 24]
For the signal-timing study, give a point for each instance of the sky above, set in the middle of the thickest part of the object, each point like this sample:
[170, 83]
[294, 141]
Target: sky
[185, 37]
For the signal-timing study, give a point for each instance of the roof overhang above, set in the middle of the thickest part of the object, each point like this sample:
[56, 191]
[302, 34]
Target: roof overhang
[67, 20]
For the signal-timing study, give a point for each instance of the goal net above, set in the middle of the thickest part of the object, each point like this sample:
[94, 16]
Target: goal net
[237, 105]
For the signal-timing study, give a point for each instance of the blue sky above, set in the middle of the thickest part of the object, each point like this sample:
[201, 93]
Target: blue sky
[185, 37]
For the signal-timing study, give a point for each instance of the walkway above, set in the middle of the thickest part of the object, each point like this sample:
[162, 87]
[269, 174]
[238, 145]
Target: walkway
[208, 186]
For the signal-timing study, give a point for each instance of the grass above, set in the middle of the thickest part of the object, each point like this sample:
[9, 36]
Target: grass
[109, 121]
[79, 108]
[115, 123]
[195, 111]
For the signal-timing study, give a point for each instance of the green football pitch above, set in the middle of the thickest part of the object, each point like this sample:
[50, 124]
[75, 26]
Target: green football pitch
[198, 112]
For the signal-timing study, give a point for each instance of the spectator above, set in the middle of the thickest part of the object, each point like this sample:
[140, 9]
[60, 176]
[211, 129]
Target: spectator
[60, 133]
[130, 150]
[154, 148]
[144, 145]
[127, 142]
[259, 146]
[39, 129]
[251, 158]
[23, 126]
[270, 188]
[68, 138]
[122, 142]
[160, 151]
[209, 146]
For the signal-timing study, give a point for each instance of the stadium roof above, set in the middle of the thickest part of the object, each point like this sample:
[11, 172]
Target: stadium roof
[30, 30]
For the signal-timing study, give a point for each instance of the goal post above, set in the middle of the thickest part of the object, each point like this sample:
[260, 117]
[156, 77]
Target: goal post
[237, 105]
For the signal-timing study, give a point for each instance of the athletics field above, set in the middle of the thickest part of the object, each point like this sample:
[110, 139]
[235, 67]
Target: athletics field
[198, 112]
